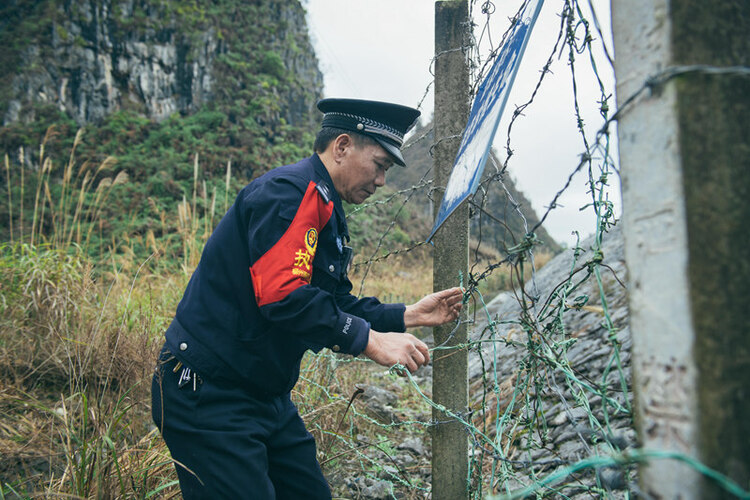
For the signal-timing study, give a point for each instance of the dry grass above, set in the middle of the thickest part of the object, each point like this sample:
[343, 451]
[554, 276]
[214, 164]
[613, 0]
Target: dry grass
[356, 440]
[405, 277]
[66, 215]
[75, 357]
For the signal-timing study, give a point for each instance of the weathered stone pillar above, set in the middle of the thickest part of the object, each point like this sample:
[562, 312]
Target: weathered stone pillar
[685, 161]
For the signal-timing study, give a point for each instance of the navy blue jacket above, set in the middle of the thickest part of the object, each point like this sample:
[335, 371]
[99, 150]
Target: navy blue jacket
[271, 283]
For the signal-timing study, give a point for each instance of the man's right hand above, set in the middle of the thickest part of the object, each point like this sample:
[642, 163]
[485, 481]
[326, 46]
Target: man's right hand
[389, 348]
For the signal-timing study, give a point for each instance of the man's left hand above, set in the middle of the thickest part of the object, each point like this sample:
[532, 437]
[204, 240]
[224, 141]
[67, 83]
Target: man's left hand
[435, 309]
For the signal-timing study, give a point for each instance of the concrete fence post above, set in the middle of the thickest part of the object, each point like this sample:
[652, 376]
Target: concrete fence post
[685, 161]
[450, 464]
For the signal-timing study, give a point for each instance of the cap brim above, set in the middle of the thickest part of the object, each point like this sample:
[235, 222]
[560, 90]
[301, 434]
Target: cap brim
[390, 149]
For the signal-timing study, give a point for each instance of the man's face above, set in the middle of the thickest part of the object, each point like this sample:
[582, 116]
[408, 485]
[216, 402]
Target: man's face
[364, 171]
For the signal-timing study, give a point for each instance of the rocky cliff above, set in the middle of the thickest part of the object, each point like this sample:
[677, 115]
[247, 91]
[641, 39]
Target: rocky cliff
[159, 90]
[90, 58]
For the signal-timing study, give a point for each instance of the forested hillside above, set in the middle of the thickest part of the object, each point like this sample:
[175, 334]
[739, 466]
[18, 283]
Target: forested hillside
[152, 88]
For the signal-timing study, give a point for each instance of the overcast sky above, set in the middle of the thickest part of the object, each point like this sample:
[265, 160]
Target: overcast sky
[382, 50]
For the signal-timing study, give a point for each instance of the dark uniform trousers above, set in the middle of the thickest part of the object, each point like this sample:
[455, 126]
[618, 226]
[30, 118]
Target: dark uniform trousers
[254, 448]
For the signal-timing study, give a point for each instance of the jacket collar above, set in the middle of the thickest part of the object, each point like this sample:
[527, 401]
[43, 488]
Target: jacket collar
[322, 173]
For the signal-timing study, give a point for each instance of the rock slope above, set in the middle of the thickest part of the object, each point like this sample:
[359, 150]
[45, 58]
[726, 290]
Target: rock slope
[572, 397]
[570, 375]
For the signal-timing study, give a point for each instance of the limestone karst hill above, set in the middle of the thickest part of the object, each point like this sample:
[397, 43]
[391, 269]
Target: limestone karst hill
[89, 59]
[497, 208]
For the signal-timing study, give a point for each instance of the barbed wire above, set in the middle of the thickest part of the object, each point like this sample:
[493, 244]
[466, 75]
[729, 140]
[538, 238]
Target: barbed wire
[531, 376]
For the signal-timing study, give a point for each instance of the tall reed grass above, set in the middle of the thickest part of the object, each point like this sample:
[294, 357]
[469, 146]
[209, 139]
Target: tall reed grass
[79, 335]
[64, 213]
[81, 327]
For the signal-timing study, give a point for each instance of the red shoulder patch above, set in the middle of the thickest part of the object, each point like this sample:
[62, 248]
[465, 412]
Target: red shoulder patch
[288, 264]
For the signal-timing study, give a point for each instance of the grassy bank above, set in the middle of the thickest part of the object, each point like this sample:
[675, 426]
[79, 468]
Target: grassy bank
[76, 356]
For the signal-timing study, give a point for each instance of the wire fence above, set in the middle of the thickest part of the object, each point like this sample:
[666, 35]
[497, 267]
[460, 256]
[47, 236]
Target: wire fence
[550, 410]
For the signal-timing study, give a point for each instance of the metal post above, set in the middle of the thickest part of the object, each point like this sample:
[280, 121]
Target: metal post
[685, 158]
[450, 464]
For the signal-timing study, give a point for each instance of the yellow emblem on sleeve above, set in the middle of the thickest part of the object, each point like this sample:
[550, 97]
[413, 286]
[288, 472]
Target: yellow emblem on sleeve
[303, 257]
[311, 240]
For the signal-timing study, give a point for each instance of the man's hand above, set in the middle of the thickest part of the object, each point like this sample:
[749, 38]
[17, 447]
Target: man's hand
[435, 309]
[390, 348]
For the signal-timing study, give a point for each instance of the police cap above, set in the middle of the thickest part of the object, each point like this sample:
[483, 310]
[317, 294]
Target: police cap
[385, 122]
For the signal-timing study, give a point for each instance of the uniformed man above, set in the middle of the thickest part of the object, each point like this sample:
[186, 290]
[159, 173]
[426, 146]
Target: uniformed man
[271, 284]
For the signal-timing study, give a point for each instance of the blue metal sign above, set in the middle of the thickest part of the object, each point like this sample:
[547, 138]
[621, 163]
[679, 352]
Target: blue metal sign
[485, 116]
